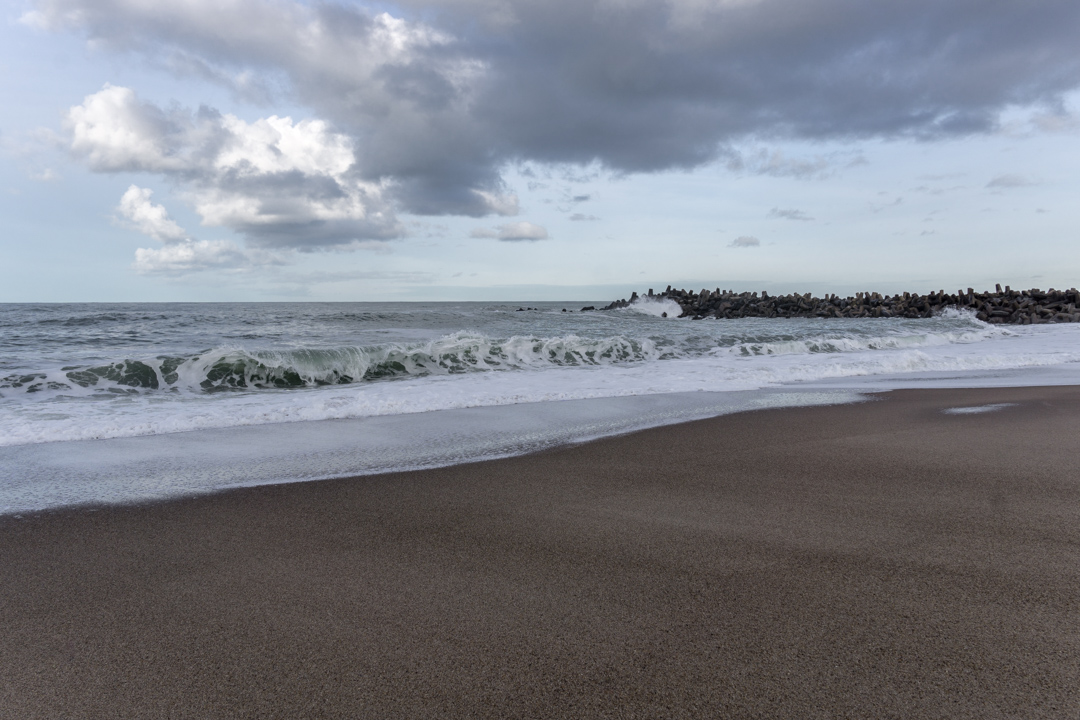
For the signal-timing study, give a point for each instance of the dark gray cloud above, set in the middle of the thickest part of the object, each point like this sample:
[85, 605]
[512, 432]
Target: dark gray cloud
[440, 95]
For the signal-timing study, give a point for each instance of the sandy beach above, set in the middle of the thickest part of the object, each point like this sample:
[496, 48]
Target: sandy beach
[882, 559]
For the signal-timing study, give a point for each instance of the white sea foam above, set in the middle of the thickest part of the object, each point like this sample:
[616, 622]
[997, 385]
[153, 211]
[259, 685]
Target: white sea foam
[94, 411]
[233, 367]
[899, 341]
[129, 469]
[549, 370]
[977, 409]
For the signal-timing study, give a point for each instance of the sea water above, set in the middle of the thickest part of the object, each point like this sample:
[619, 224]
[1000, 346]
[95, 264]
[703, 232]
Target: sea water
[125, 402]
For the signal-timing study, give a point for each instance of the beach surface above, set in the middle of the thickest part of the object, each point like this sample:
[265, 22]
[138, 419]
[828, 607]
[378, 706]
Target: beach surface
[881, 559]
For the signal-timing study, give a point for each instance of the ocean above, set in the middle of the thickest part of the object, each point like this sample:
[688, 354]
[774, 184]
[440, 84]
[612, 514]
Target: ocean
[107, 403]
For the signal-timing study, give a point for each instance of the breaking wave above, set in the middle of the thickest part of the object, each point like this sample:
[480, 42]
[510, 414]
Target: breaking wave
[236, 368]
[855, 343]
[239, 369]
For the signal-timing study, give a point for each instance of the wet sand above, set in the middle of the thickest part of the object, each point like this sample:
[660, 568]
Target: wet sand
[883, 559]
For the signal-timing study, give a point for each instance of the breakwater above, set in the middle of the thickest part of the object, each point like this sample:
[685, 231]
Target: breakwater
[1002, 306]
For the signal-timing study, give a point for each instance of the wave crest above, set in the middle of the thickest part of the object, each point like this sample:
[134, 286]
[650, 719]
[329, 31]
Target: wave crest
[236, 368]
[220, 369]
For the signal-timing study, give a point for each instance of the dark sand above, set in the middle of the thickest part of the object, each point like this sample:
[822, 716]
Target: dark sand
[866, 561]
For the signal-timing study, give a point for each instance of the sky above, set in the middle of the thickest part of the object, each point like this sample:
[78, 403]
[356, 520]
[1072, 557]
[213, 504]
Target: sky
[260, 150]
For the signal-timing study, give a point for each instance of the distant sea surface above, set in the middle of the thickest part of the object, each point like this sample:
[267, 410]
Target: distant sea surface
[121, 402]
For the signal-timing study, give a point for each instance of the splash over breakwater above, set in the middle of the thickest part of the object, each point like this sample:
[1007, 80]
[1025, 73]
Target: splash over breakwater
[1008, 306]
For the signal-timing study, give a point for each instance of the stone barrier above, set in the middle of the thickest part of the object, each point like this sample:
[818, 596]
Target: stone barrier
[1008, 306]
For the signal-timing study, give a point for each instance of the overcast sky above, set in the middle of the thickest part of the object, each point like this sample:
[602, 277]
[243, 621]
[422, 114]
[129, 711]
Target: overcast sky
[534, 149]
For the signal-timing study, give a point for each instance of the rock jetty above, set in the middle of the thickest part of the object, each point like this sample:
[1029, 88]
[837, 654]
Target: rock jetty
[1008, 306]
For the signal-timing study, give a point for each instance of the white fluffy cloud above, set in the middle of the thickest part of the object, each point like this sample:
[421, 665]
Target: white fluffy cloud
[635, 84]
[181, 253]
[405, 88]
[281, 183]
[513, 232]
[148, 218]
[431, 106]
[111, 131]
[188, 256]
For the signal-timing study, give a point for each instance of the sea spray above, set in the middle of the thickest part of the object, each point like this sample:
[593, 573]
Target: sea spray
[87, 371]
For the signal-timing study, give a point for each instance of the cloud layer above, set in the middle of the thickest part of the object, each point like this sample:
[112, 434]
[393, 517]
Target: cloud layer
[277, 182]
[422, 109]
[181, 253]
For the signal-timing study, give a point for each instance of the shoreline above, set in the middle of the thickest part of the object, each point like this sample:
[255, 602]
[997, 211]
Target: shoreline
[142, 468]
[126, 470]
[871, 559]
